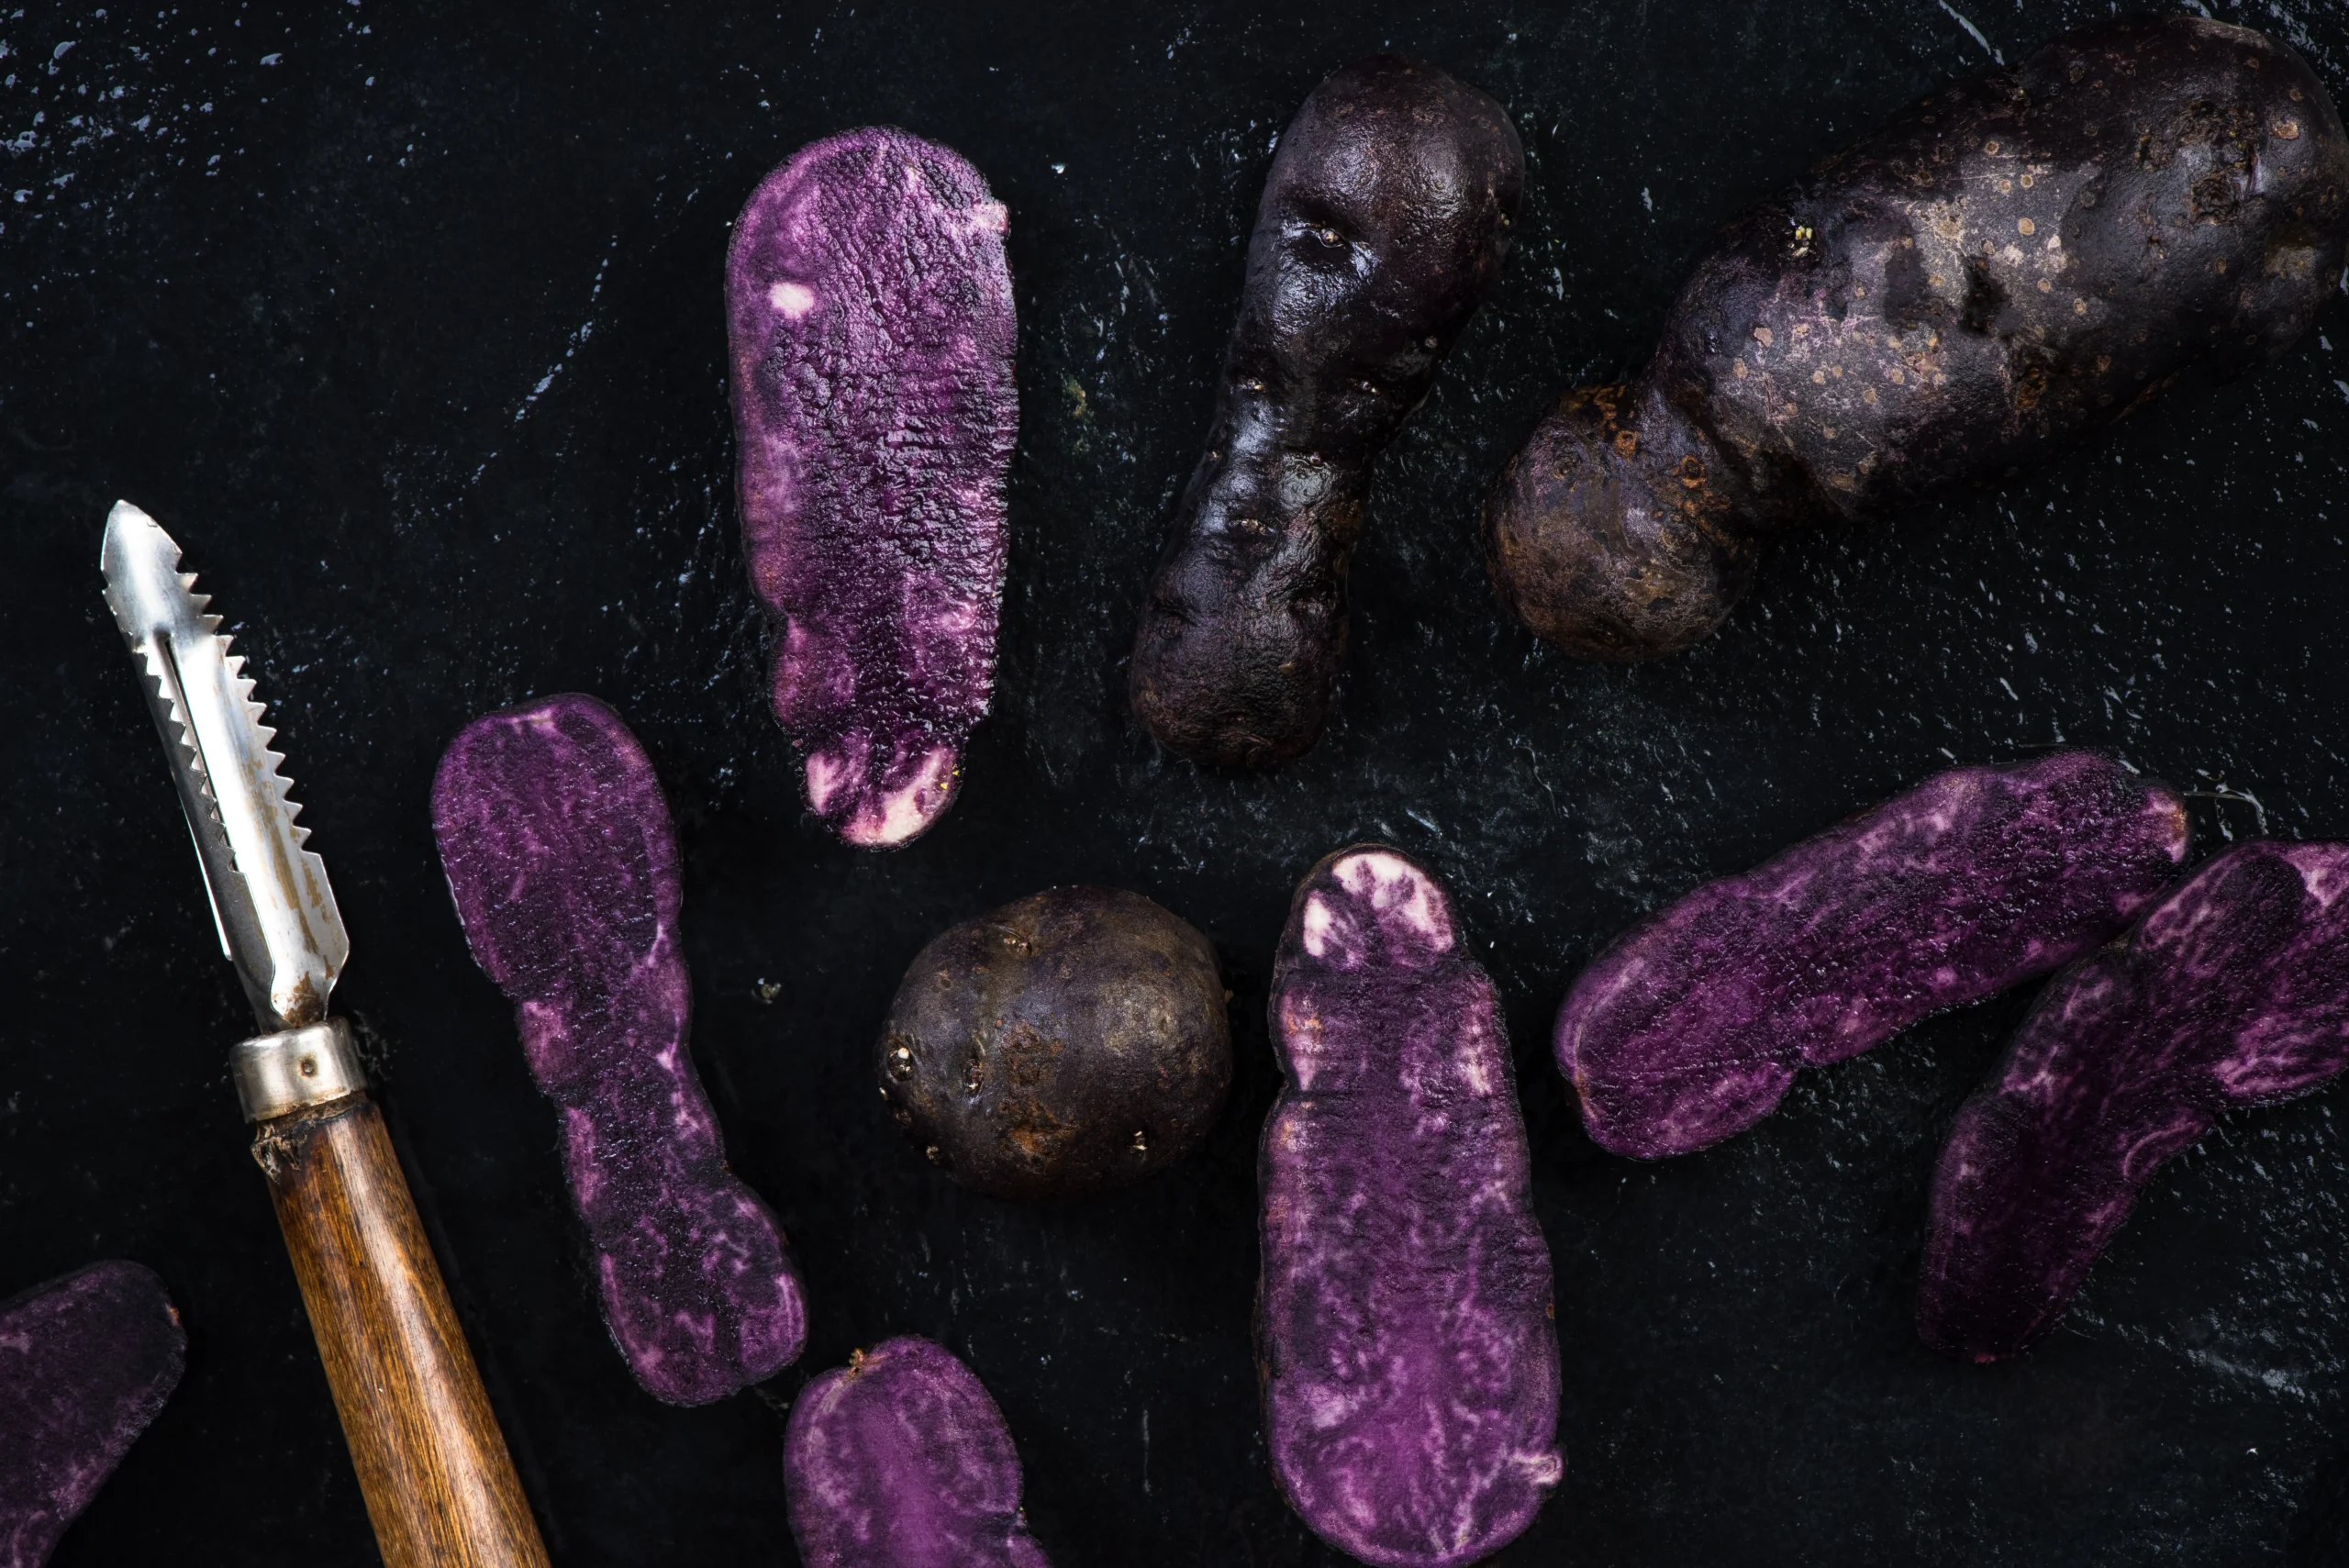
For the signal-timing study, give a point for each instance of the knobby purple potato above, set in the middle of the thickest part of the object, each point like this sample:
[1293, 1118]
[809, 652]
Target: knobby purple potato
[1072, 1041]
[899, 1459]
[2013, 264]
[1692, 1024]
[563, 861]
[1404, 1329]
[86, 1362]
[2232, 991]
[870, 320]
[1383, 222]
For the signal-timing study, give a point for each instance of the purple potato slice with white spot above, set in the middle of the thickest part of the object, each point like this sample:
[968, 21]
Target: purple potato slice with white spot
[900, 1460]
[1404, 1329]
[563, 860]
[2231, 991]
[1691, 1026]
[86, 1362]
[870, 319]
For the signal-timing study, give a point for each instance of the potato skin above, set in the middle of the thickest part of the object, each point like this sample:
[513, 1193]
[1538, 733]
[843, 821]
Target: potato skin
[1384, 223]
[1074, 1041]
[2010, 266]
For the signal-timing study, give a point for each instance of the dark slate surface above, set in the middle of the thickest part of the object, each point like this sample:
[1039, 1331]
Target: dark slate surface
[407, 321]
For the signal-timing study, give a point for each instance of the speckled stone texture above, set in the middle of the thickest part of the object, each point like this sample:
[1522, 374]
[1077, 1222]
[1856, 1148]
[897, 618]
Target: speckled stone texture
[2015, 263]
[1385, 220]
[1691, 1026]
[899, 1459]
[1405, 1332]
[2232, 991]
[86, 1362]
[320, 360]
[558, 851]
[871, 325]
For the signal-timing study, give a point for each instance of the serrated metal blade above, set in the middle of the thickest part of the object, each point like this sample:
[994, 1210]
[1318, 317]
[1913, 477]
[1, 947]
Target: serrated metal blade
[270, 896]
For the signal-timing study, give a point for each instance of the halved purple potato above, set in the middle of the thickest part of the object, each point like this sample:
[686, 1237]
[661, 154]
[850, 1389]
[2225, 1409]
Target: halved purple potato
[869, 314]
[563, 861]
[1405, 1330]
[2232, 991]
[85, 1362]
[2005, 269]
[1692, 1024]
[1385, 220]
[899, 1459]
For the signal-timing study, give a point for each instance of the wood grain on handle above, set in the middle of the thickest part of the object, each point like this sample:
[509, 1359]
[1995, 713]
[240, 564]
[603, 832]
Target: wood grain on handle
[439, 1485]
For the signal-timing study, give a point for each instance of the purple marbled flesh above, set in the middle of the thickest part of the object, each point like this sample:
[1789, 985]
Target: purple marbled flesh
[1690, 1027]
[560, 853]
[2232, 991]
[869, 312]
[86, 1362]
[1404, 1332]
[899, 1459]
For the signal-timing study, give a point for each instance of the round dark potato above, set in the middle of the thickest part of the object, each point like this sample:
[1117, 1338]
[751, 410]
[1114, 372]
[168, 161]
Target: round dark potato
[1074, 1041]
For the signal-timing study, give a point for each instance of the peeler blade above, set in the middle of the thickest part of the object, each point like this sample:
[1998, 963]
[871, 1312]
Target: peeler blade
[271, 899]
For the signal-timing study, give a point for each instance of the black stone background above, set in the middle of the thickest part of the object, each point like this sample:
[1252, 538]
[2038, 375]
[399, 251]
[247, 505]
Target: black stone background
[406, 320]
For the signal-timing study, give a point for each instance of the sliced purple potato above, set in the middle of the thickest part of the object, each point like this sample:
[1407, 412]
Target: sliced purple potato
[86, 1362]
[1405, 1330]
[2231, 991]
[899, 1459]
[1691, 1026]
[2010, 266]
[870, 316]
[563, 861]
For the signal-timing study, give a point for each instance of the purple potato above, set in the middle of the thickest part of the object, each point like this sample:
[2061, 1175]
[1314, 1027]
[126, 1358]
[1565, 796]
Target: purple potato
[1692, 1024]
[1405, 1328]
[1384, 223]
[2010, 266]
[563, 861]
[2231, 991]
[1074, 1041]
[899, 1459]
[85, 1362]
[869, 313]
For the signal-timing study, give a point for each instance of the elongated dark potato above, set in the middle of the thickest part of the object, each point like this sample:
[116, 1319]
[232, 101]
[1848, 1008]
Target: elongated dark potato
[86, 1361]
[2232, 991]
[1691, 1026]
[2011, 265]
[563, 861]
[1404, 1321]
[1383, 222]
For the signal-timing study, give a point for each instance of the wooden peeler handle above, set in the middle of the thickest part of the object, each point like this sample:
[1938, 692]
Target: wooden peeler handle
[439, 1485]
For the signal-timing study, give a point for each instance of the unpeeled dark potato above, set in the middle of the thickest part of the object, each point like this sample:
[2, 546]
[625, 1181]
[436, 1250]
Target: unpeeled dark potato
[1993, 277]
[1071, 1041]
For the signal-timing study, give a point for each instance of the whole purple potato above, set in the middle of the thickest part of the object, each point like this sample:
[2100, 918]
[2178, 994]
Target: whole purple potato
[2010, 266]
[1691, 1026]
[869, 314]
[1405, 1328]
[2232, 991]
[1383, 222]
[1074, 1041]
[563, 861]
[86, 1361]
[899, 1459]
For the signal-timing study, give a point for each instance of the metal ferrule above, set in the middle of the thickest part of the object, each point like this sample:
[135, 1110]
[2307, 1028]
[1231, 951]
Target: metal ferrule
[296, 1069]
